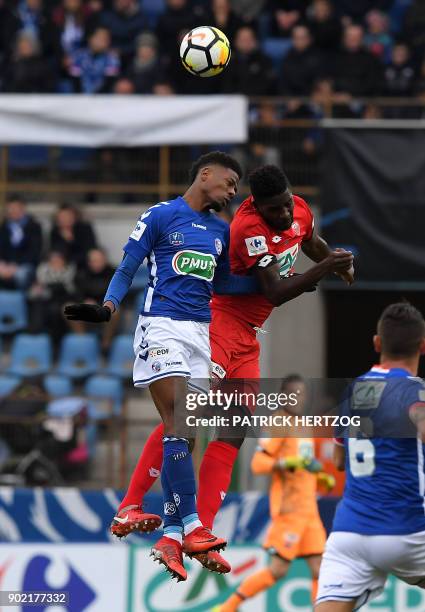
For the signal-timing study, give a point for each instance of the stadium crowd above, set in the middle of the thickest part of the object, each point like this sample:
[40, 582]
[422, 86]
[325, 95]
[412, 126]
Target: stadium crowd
[354, 48]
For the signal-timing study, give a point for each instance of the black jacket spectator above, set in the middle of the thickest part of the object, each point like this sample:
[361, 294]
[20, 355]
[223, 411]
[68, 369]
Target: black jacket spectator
[145, 68]
[28, 71]
[222, 16]
[325, 27]
[94, 280]
[20, 246]
[20, 235]
[357, 9]
[399, 74]
[250, 72]
[414, 28]
[124, 21]
[285, 15]
[302, 65]
[177, 19]
[71, 236]
[357, 71]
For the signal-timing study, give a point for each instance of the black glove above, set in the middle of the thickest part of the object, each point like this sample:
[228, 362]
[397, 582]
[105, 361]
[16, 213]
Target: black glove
[310, 289]
[87, 312]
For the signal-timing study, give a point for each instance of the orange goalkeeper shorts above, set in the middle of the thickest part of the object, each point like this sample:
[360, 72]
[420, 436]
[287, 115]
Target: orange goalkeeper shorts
[292, 535]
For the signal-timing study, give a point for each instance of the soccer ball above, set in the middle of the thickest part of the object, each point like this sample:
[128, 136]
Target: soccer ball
[205, 51]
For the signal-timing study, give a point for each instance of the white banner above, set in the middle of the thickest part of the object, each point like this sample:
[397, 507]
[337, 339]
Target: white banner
[95, 121]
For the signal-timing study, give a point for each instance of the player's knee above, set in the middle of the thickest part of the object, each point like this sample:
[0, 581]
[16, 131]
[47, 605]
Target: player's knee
[279, 567]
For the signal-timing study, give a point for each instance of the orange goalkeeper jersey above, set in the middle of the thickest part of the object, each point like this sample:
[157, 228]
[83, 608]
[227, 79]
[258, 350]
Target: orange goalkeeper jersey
[290, 491]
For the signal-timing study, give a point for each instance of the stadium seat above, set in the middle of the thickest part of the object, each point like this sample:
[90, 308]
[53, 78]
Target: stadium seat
[28, 157]
[74, 159]
[8, 384]
[31, 355]
[276, 49]
[121, 357]
[100, 388]
[79, 355]
[13, 312]
[57, 386]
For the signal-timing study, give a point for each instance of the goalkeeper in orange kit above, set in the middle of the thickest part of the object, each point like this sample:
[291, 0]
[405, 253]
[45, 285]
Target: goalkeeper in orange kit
[296, 529]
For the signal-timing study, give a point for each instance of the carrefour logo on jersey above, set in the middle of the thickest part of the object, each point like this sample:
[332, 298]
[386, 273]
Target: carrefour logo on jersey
[193, 263]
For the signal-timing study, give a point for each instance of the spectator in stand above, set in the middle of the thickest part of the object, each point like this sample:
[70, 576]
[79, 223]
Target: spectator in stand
[378, 39]
[145, 67]
[302, 65]
[357, 72]
[124, 87]
[286, 14]
[250, 72]
[221, 16]
[71, 235]
[69, 19]
[353, 11]
[95, 68]
[29, 16]
[54, 286]
[27, 71]
[177, 18]
[125, 21]
[163, 88]
[325, 27]
[399, 74]
[92, 283]
[20, 246]
[414, 28]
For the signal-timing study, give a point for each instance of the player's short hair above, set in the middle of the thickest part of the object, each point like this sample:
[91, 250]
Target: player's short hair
[402, 329]
[217, 158]
[268, 181]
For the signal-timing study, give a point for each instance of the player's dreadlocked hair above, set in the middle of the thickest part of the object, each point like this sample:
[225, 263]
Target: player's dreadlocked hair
[402, 329]
[267, 181]
[214, 158]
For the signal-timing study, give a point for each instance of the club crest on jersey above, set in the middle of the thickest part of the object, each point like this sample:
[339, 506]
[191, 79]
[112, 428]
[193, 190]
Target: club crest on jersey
[286, 260]
[218, 246]
[194, 263]
[176, 238]
[296, 228]
[276, 239]
[256, 245]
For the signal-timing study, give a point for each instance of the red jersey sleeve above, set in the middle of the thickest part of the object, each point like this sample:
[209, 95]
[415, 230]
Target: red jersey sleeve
[307, 218]
[248, 241]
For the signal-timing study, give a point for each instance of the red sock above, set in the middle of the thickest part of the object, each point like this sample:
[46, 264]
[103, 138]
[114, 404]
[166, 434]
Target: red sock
[147, 470]
[214, 479]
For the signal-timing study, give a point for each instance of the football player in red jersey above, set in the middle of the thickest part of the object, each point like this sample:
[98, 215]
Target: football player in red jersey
[267, 233]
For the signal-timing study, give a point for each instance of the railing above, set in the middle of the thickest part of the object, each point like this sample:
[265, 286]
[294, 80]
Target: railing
[277, 135]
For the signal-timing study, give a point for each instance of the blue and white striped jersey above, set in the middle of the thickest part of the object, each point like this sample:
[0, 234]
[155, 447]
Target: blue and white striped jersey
[185, 249]
[385, 486]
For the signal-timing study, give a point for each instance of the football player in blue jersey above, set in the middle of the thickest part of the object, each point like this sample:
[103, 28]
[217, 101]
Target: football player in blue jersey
[379, 525]
[187, 250]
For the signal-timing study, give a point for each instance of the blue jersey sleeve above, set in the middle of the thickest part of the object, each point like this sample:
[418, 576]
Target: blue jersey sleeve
[146, 233]
[121, 280]
[227, 283]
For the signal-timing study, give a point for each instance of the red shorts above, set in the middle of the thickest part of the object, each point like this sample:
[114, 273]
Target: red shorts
[235, 350]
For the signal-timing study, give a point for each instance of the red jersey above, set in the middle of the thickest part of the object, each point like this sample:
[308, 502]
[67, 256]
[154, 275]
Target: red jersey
[250, 238]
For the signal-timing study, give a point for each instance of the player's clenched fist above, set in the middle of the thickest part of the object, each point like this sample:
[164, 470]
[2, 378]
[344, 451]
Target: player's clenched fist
[340, 260]
[87, 312]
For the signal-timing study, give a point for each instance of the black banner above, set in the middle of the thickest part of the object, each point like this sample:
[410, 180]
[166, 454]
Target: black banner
[373, 202]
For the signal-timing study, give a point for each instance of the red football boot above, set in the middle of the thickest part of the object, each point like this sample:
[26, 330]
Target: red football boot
[169, 552]
[213, 561]
[201, 540]
[133, 518]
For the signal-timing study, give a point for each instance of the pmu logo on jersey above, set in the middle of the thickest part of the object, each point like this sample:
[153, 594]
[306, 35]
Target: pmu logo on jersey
[193, 263]
[256, 245]
[286, 259]
[176, 238]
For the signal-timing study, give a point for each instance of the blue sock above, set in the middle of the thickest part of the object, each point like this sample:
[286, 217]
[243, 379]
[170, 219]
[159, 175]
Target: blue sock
[178, 470]
[173, 527]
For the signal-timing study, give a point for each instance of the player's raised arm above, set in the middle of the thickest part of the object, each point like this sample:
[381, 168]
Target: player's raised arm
[317, 249]
[280, 290]
[139, 245]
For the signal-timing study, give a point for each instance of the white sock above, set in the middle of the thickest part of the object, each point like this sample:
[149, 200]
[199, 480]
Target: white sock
[174, 535]
[191, 526]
